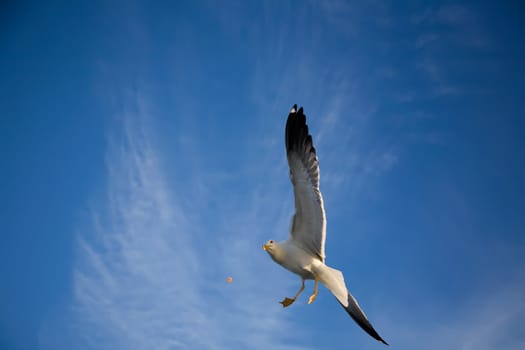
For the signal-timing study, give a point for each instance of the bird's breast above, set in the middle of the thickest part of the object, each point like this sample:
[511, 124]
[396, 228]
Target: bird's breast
[296, 260]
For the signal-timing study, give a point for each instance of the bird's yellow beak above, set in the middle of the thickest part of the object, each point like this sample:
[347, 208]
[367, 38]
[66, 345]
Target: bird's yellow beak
[265, 247]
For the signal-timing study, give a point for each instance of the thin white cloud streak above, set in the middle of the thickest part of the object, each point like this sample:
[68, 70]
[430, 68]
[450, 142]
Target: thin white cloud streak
[143, 280]
[339, 113]
[449, 28]
[464, 23]
[425, 40]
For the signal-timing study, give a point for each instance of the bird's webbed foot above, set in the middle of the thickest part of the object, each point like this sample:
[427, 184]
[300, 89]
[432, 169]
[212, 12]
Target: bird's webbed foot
[287, 301]
[312, 298]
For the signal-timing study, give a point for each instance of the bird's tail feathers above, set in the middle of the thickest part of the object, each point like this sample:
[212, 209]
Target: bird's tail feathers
[333, 280]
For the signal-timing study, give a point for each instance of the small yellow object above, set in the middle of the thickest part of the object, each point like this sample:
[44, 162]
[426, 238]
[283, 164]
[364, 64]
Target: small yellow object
[229, 280]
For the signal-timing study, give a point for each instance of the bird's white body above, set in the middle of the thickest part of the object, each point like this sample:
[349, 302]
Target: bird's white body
[295, 259]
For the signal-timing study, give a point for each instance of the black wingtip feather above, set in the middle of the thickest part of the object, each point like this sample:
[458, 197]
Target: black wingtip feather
[357, 315]
[296, 130]
[299, 141]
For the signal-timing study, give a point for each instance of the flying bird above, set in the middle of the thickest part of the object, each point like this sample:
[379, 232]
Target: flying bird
[303, 252]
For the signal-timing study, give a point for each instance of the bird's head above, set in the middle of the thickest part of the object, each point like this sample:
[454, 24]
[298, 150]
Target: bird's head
[269, 246]
[274, 250]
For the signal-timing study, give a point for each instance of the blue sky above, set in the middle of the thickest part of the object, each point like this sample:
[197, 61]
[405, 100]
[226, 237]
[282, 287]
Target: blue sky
[143, 163]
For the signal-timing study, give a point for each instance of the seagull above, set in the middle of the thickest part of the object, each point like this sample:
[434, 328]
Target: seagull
[303, 252]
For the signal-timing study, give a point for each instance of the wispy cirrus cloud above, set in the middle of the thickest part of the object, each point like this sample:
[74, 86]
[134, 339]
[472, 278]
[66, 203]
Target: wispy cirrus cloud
[448, 37]
[341, 113]
[463, 26]
[151, 275]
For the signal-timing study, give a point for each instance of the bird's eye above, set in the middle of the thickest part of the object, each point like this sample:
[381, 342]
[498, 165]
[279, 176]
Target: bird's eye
[271, 241]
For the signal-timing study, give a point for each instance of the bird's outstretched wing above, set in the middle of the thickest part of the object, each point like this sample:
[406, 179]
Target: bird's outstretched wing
[308, 229]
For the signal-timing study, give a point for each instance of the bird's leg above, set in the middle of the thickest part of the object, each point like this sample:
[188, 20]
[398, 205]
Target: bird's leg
[316, 290]
[287, 301]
